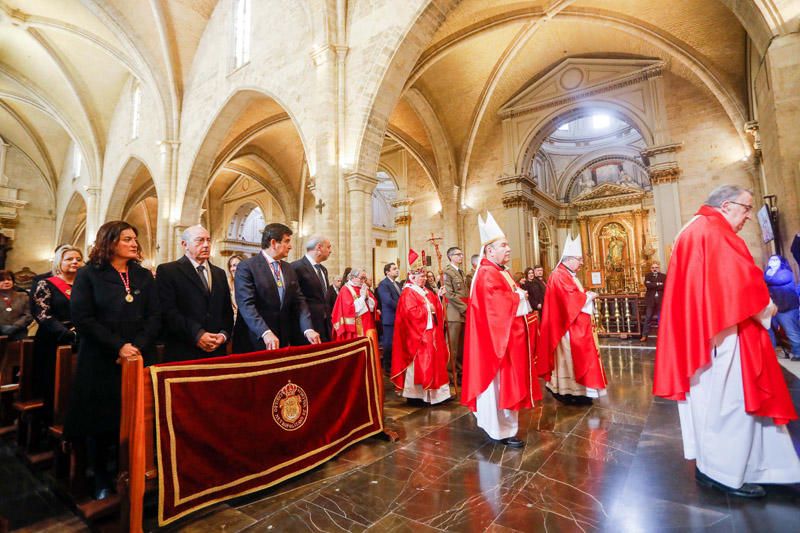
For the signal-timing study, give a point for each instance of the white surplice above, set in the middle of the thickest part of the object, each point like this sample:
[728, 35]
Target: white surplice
[731, 446]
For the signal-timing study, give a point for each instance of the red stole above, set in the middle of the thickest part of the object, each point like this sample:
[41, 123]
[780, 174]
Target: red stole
[345, 323]
[61, 285]
[713, 284]
[496, 341]
[426, 349]
[563, 301]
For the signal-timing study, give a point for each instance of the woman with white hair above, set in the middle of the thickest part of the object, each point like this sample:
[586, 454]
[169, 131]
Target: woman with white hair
[50, 308]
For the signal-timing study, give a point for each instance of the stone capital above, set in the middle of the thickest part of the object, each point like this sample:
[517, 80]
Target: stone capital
[660, 174]
[402, 220]
[658, 150]
[358, 182]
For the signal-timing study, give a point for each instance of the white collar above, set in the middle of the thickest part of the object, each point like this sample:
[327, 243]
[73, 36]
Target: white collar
[311, 260]
[195, 264]
[269, 259]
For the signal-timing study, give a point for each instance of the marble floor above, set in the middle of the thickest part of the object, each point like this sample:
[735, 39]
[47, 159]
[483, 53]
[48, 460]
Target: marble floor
[616, 466]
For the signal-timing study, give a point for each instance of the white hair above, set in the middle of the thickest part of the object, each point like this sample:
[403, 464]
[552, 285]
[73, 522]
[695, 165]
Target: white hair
[313, 241]
[725, 193]
[356, 273]
[187, 234]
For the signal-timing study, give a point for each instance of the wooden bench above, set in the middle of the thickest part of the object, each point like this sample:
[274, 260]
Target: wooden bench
[28, 407]
[9, 367]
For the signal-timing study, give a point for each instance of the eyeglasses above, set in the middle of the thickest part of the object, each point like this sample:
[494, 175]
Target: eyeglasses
[747, 208]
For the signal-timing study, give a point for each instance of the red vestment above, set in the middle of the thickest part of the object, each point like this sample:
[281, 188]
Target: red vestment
[563, 301]
[413, 344]
[346, 325]
[496, 340]
[713, 284]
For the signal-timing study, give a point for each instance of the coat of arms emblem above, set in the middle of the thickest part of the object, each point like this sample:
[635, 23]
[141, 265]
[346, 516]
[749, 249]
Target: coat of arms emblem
[290, 407]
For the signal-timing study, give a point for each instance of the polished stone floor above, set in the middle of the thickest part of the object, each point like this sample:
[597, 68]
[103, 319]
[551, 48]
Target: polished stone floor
[616, 466]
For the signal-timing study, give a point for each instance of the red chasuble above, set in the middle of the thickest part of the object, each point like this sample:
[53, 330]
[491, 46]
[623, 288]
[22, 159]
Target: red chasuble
[562, 305]
[713, 284]
[426, 349]
[497, 341]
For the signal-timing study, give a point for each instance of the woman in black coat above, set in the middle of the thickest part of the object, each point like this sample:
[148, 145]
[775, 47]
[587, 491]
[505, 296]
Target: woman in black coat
[50, 308]
[115, 309]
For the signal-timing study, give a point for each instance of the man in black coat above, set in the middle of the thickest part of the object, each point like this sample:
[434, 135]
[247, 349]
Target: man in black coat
[388, 294]
[654, 282]
[536, 289]
[195, 301]
[271, 305]
[315, 285]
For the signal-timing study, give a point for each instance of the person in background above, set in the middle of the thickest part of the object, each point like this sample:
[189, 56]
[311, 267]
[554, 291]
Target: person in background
[50, 308]
[654, 282]
[473, 261]
[15, 312]
[535, 285]
[116, 312]
[388, 295]
[782, 290]
[454, 282]
[430, 282]
[313, 279]
[233, 263]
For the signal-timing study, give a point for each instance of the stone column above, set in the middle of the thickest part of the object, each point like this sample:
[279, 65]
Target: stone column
[93, 221]
[664, 173]
[402, 219]
[777, 85]
[359, 203]
[167, 240]
[589, 255]
[519, 212]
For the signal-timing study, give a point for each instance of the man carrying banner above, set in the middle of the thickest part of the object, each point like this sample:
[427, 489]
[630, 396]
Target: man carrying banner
[567, 343]
[715, 358]
[498, 359]
[419, 349]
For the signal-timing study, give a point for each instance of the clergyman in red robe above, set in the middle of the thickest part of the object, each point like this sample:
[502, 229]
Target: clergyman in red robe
[714, 356]
[353, 314]
[419, 350]
[499, 375]
[567, 343]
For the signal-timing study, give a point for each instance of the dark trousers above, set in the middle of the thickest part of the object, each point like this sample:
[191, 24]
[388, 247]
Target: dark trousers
[386, 344]
[650, 316]
[455, 333]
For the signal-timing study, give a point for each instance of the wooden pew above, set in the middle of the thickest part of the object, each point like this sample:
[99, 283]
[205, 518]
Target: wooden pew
[69, 463]
[9, 365]
[28, 407]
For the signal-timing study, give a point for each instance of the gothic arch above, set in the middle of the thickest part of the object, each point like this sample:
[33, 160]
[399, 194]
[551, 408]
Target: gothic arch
[121, 192]
[73, 223]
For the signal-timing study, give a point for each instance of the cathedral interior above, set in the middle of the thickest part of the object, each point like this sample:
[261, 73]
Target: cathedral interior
[387, 125]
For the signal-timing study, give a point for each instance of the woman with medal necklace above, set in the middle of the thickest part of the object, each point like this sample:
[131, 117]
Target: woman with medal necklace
[115, 309]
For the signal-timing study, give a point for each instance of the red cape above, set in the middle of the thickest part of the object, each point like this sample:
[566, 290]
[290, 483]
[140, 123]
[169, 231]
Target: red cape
[562, 305]
[345, 325]
[413, 344]
[713, 284]
[496, 340]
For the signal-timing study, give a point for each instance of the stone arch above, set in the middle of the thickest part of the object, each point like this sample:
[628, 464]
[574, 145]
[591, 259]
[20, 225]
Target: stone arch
[73, 223]
[540, 130]
[206, 158]
[367, 139]
[121, 192]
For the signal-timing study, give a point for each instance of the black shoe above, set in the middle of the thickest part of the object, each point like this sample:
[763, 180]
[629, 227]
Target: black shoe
[748, 490]
[415, 402]
[512, 442]
[581, 400]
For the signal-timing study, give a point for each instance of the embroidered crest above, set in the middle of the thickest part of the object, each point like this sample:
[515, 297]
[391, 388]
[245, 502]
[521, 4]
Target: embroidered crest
[290, 407]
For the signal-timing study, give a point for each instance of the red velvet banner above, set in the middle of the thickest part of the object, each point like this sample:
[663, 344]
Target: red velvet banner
[229, 426]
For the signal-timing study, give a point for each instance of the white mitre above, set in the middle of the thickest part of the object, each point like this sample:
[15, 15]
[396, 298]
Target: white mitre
[572, 247]
[489, 230]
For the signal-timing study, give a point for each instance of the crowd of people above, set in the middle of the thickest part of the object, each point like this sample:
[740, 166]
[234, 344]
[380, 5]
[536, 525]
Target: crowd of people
[486, 331]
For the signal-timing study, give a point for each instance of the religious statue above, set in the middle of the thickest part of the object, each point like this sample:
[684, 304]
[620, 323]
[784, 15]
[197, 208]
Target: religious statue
[616, 239]
[586, 183]
[626, 180]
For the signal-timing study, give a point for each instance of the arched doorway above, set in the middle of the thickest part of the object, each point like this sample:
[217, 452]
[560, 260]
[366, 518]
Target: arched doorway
[383, 224]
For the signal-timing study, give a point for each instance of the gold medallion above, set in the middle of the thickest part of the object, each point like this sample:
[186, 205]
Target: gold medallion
[129, 297]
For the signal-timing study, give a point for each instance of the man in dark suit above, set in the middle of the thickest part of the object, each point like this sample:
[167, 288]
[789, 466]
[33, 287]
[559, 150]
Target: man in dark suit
[315, 286]
[195, 301]
[654, 282]
[271, 305]
[388, 294]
